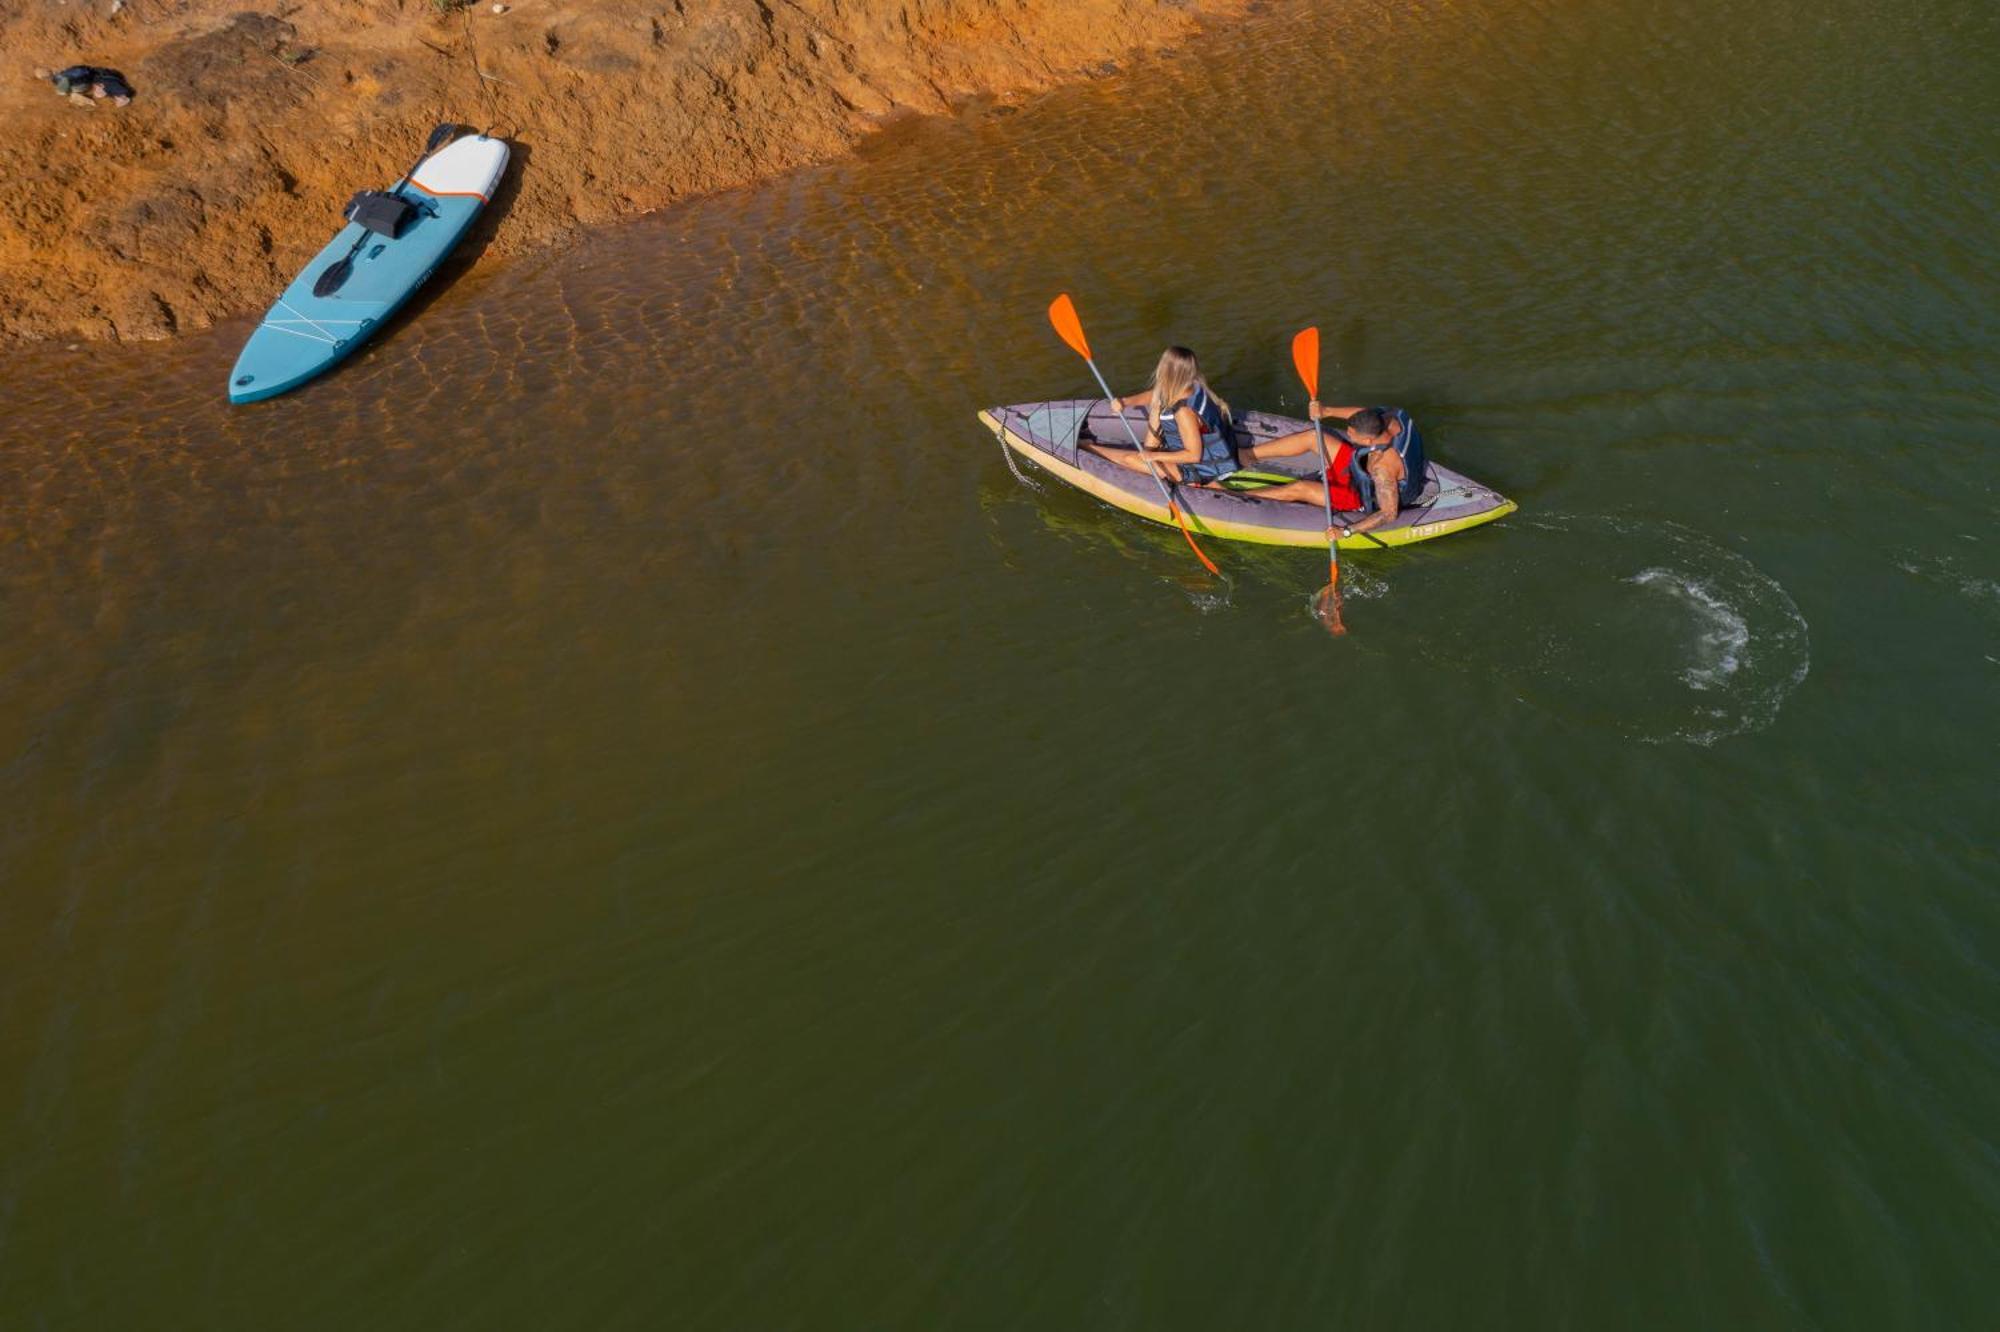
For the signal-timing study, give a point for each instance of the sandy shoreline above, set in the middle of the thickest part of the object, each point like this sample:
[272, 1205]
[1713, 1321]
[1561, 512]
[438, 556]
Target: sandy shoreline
[251, 129]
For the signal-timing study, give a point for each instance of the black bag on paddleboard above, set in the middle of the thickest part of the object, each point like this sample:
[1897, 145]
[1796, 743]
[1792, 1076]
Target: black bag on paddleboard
[383, 214]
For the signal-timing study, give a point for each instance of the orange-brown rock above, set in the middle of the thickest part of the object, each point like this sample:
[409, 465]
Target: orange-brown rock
[251, 129]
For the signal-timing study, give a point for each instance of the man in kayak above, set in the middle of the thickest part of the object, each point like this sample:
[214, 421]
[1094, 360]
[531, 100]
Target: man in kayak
[1376, 463]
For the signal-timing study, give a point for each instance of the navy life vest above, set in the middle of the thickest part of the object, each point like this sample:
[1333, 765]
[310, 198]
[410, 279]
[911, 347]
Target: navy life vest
[1215, 445]
[1409, 446]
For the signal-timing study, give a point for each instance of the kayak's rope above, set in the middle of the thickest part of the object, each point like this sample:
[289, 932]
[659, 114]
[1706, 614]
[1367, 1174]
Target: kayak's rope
[1007, 454]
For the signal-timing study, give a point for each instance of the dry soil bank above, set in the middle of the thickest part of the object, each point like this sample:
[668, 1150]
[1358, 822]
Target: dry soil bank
[252, 127]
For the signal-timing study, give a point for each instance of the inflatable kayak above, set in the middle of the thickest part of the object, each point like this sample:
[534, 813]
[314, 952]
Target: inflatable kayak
[1047, 435]
[306, 334]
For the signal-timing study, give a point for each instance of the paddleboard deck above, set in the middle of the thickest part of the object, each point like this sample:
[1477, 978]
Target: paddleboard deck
[1047, 434]
[304, 335]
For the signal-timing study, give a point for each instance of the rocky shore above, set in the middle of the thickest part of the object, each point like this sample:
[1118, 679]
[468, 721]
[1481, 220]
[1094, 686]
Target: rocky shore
[250, 129]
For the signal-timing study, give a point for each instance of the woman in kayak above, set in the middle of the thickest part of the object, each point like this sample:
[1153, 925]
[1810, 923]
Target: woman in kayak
[1187, 424]
[1375, 463]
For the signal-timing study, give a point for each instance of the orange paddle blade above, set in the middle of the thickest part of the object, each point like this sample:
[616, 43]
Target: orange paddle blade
[1327, 607]
[1062, 314]
[1305, 355]
[1199, 553]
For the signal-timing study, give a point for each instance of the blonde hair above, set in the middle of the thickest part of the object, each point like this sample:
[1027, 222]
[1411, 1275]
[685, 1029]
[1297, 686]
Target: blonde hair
[1176, 376]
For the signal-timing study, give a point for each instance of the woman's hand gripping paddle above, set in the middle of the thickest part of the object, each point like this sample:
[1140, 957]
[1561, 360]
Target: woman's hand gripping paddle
[1305, 355]
[1062, 314]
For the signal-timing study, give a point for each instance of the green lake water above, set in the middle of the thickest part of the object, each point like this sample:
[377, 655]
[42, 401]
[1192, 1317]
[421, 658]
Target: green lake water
[616, 810]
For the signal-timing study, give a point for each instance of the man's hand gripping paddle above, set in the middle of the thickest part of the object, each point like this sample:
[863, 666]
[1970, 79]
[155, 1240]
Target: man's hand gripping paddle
[1062, 314]
[1305, 356]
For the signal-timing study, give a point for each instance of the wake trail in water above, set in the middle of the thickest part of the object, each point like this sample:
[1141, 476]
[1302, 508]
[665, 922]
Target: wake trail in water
[1646, 628]
[1746, 646]
[1949, 572]
[1722, 634]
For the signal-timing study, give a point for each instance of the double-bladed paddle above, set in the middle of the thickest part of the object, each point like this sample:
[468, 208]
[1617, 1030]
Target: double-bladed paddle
[1062, 314]
[337, 272]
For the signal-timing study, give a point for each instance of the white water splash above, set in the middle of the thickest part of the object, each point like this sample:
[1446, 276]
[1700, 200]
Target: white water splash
[1723, 635]
[1754, 634]
[1734, 644]
[1361, 584]
[1209, 599]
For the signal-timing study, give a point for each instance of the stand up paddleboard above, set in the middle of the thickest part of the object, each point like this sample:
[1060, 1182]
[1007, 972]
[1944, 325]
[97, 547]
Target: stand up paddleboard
[1048, 434]
[304, 334]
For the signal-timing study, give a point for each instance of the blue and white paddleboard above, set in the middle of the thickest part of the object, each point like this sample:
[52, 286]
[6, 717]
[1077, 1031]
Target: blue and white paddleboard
[304, 335]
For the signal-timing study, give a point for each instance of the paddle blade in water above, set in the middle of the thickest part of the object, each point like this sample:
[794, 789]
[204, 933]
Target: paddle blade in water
[1062, 314]
[1327, 606]
[1305, 355]
[1333, 591]
[334, 274]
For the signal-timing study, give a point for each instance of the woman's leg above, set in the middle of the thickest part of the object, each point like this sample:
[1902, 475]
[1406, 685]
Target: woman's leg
[1131, 461]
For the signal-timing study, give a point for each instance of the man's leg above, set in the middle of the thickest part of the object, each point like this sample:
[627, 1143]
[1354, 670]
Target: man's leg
[1284, 446]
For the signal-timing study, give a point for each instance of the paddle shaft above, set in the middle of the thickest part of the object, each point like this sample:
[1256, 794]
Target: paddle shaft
[431, 145]
[1332, 541]
[1326, 484]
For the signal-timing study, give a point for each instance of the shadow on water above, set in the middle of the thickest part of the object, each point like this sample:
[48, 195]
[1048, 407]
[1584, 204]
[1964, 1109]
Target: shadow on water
[1256, 579]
